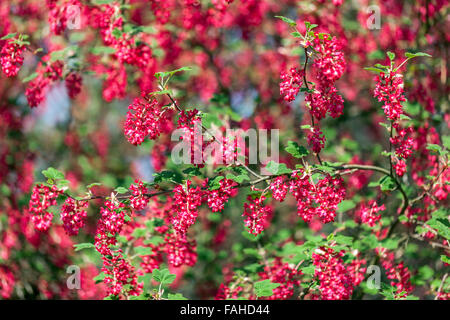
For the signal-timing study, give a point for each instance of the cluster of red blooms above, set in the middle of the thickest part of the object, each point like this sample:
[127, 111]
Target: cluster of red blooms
[180, 251]
[397, 273]
[316, 139]
[279, 188]
[73, 215]
[329, 65]
[187, 200]
[118, 271]
[41, 199]
[335, 280]
[368, 214]
[144, 119]
[389, 90]
[256, 214]
[11, 57]
[291, 83]
[284, 274]
[73, 84]
[319, 198]
[138, 200]
[226, 293]
[48, 72]
[216, 199]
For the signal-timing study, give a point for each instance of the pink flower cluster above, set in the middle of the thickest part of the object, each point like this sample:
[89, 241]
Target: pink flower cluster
[120, 274]
[368, 214]
[256, 214]
[138, 200]
[144, 119]
[398, 273]
[11, 57]
[279, 188]
[42, 198]
[287, 276]
[180, 251]
[291, 83]
[389, 90]
[319, 198]
[216, 199]
[187, 200]
[47, 74]
[73, 215]
[73, 84]
[316, 140]
[335, 281]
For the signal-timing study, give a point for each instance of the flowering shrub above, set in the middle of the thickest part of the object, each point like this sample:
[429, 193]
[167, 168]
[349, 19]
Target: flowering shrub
[361, 182]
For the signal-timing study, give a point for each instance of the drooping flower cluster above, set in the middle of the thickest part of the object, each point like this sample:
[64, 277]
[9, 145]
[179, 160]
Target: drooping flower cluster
[368, 214]
[402, 143]
[256, 214]
[144, 119]
[291, 83]
[42, 198]
[389, 90]
[316, 140]
[216, 199]
[187, 200]
[335, 281]
[398, 273]
[120, 275]
[284, 274]
[319, 198]
[73, 215]
[48, 73]
[279, 188]
[73, 84]
[11, 57]
[180, 251]
[138, 200]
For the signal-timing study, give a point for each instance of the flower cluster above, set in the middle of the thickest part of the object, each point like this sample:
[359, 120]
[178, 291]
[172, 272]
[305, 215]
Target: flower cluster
[42, 198]
[316, 140]
[73, 84]
[138, 200]
[144, 119]
[335, 281]
[216, 199]
[389, 90]
[48, 73]
[180, 251]
[187, 200]
[11, 57]
[397, 273]
[319, 198]
[256, 214]
[368, 214]
[284, 274]
[279, 188]
[73, 215]
[291, 83]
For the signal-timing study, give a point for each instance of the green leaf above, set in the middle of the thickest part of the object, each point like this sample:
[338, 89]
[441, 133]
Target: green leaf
[373, 69]
[265, 288]
[411, 55]
[81, 246]
[103, 50]
[166, 175]
[89, 186]
[344, 240]
[163, 276]
[52, 173]
[30, 77]
[287, 20]
[295, 150]
[121, 190]
[387, 184]
[214, 183]
[445, 259]
[143, 251]
[277, 168]
[239, 179]
[308, 270]
[176, 296]
[8, 36]
[192, 172]
[391, 55]
[346, 205]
